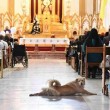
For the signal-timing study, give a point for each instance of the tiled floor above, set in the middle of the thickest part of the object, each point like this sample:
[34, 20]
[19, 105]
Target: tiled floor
[16, 86]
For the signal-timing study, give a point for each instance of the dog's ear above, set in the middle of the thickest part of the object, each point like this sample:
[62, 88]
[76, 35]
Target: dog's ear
[76, 80]
[84, 78]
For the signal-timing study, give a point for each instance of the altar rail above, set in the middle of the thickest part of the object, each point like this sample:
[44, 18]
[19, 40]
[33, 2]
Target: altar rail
[45, 44]
[44, 41]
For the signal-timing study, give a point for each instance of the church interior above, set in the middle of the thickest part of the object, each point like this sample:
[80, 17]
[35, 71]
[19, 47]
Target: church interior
[48, 39]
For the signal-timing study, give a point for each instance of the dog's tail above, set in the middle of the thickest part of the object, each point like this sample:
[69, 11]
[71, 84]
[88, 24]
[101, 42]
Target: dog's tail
[53, 83]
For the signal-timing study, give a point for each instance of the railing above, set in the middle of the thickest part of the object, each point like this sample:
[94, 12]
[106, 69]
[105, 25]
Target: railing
[54, 43]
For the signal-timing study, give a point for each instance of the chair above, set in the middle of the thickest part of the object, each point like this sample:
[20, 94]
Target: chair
[106, 51]
[19, 55]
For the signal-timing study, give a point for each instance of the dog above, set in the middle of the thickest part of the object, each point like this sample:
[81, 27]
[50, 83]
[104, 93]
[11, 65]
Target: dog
[72, 88]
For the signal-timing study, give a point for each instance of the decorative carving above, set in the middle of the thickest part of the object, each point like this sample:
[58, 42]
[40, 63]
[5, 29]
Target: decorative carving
[78, 23]
[46, 6]
[81, 23]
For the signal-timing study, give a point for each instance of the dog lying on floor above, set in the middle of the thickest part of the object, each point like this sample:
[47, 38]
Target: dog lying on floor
[71, 88]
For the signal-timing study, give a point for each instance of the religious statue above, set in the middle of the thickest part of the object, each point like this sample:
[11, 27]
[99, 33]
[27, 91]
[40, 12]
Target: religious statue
[36, 26]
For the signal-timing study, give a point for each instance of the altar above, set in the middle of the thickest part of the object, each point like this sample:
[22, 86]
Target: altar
[49, 18]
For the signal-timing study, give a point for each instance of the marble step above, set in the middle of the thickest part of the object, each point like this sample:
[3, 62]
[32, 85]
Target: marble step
[46, 54]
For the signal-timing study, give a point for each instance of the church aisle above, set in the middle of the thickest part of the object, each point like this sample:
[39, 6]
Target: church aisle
[16, 86]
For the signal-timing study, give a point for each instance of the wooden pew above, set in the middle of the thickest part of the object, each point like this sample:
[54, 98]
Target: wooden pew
[70, 49]
[73, 59]
[106, 51]
[1, 64]
[91, 50]
[5, 59]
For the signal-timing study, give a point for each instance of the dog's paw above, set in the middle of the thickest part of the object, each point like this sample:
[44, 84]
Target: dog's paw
[36, 94]
[31, 94]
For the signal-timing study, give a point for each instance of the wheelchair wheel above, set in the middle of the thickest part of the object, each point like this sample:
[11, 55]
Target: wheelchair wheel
[25, 62]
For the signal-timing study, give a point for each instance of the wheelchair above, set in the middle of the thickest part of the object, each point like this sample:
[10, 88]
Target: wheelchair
[19, 55]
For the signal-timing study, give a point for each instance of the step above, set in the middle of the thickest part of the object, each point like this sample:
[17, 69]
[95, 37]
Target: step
[46, 54]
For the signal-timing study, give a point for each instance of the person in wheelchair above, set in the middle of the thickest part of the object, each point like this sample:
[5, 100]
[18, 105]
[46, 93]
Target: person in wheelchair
[19, 55]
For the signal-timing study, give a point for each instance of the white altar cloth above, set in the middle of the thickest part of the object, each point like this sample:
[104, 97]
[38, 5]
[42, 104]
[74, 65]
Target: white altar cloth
[44, 41]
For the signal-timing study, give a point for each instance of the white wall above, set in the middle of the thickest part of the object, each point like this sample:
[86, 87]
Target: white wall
[3, 6]
[19, 6]
[74, 7]
[89, 6]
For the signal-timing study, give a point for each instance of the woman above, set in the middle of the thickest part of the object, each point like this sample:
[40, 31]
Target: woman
[93, 40]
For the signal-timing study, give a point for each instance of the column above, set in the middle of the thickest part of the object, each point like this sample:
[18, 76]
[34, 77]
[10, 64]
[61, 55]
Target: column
[98, 3]
[89, 6]
[32, 10]
[81, 7]
[56, 7]
[36, 6]
[94, 6]
[60, 11]
[11, 7]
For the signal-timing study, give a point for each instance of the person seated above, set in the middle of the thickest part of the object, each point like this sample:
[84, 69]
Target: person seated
[5, 55]
[8, 38]
[75, 34]
[1, 43]
[93, 40]
[7, 30]
[106, 39]
[16, 42]
[1, 48]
